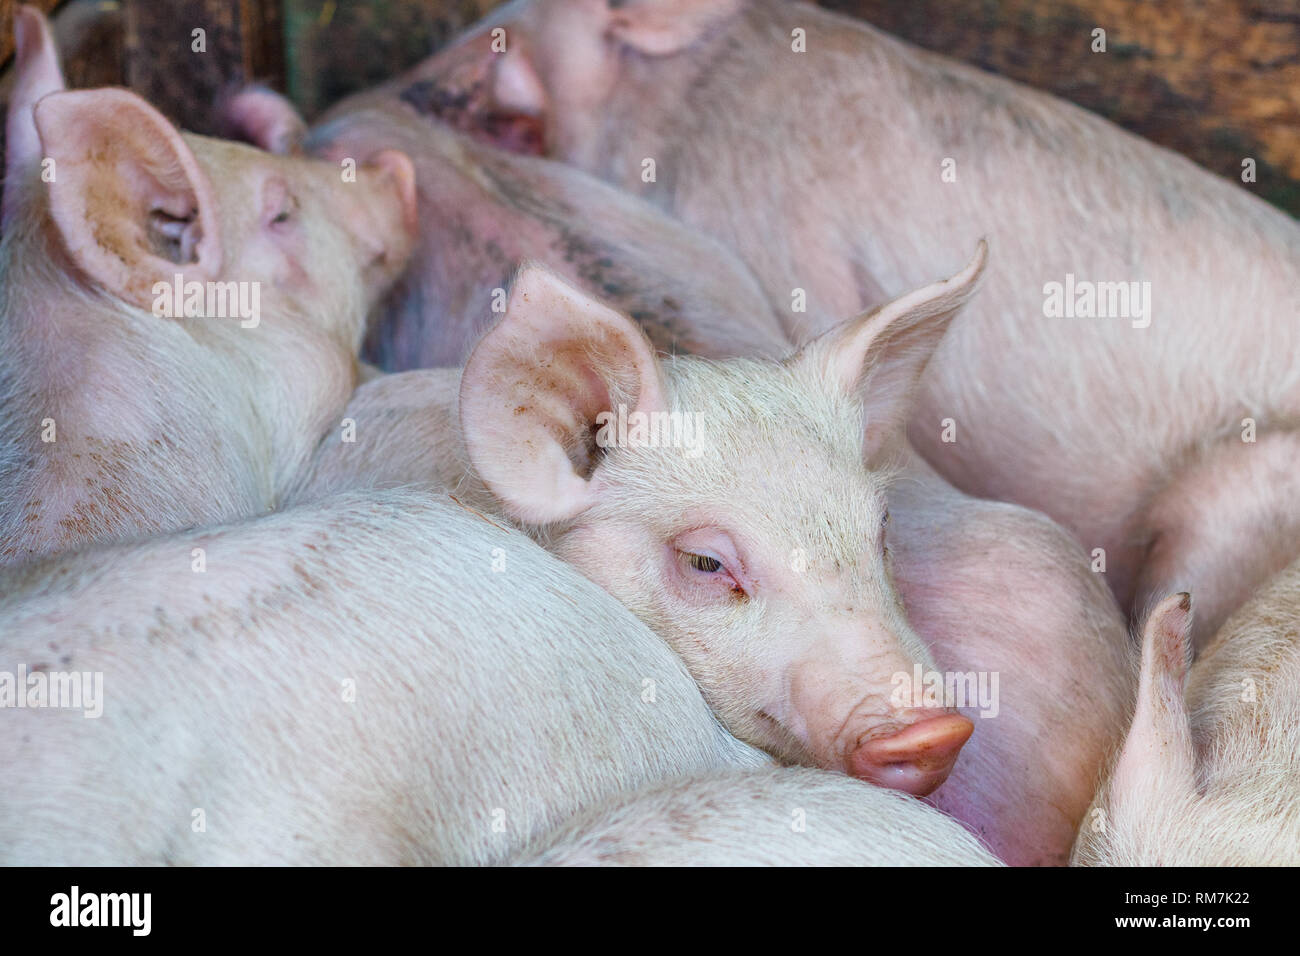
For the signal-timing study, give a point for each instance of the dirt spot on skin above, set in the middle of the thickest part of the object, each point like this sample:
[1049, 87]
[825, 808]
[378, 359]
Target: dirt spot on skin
[314, 584]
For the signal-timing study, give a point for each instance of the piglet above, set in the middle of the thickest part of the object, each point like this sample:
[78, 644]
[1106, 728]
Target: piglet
[180, 316]
[748, 533]
[999, 596]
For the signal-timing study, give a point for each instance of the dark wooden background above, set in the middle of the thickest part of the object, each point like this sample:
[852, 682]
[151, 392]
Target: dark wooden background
[1218, 80]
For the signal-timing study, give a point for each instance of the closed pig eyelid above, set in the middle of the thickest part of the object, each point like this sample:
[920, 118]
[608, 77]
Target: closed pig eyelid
[703, 545]
[704, 562]
[278, 202]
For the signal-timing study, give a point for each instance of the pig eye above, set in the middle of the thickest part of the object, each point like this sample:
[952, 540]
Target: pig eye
[884, 520]
[278, 204]
[702, 562]
[707, 566]
[286, 212]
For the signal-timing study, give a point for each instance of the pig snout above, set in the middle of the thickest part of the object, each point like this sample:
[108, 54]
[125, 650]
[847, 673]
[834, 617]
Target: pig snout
[915, 759]
[846, 718]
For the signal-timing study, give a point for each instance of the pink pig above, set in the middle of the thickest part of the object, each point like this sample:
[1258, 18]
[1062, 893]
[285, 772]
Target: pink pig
[756, 558]
[135, 406]
[1129, 367]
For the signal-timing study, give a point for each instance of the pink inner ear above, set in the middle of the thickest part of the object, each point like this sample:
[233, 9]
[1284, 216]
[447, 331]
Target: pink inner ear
[120, 164]
[516, 86]
[604, 349]
[532, 390]
[495, 97]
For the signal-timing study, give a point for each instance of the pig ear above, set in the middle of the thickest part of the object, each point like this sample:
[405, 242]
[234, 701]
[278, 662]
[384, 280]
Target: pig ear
[880, 356]
[264, 118]
[516, 87]
[36, 73]
[491, 92]
[534, 386]
[664, 27]
[1158, 755]
[128, 196]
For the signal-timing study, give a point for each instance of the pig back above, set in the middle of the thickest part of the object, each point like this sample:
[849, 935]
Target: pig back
[380, 678]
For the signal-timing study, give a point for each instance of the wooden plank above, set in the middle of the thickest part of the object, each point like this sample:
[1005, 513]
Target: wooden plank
[183, 54]
[88, 34]
[265, 31]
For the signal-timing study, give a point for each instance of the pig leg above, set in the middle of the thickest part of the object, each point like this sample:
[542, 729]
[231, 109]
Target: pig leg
[1223, 525]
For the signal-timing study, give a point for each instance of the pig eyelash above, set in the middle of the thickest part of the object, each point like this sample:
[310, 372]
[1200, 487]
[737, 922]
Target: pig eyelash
[285, 214]
[713, 567]
[703, 562]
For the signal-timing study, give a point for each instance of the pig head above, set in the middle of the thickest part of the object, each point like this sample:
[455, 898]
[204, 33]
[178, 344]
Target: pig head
[179, 316]
[484, 210]
[737, 508]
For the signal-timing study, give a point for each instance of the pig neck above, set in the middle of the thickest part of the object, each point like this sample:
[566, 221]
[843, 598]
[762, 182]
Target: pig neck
[153, 423]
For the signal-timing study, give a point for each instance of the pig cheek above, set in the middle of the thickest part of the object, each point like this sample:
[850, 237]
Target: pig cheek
[282, 261]
[605, 552]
